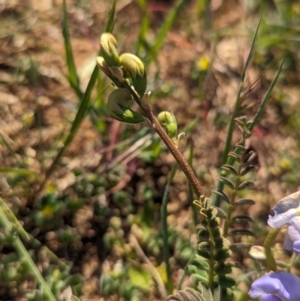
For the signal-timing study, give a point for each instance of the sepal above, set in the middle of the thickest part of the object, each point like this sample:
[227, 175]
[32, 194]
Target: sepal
[118, 105]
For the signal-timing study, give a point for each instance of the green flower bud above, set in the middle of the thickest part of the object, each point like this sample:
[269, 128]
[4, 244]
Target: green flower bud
[108, 48]
[114, 73]
[168, 121]
[118, 105]
[134, 68]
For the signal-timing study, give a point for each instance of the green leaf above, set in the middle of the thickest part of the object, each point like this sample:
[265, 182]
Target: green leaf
[235, 157]
[222, 254]
[83, 106]
[140, 278]
[230, 168]
[235, 247]
[223, 195]
[251, 125]
[247, 169]
[204, 245]
[241, 219]
[204, 253]
[73, 77]
[226, 281]
[163, 216]
[201, 276]
[237, 106]
[250, 52]
[168, 22]
[20, 172]
[111, 18]
[247, 155]
[203, 234]
[265, 99]
[222, 269]
[221, 213]
[241, 232]
[245, 201]
[227, 182]
[240, 146]
[200, 263]
[245, 184]
[220, 243]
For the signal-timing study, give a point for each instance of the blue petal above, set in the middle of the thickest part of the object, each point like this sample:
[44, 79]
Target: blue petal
[281, 219]
[289, 202]
[296, 221]
[269, 298]
[296, 246]
[284, 285]
[287, 242]
[293, 232]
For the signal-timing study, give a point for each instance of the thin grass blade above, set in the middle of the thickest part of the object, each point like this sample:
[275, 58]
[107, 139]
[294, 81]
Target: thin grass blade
[72, 77]
[84, 105]
[111, 18]
[169, 21]
[249, 57]
[237, 150]
[266, 98]
[238, 102]
[20, 172]
[144, 28]
[163, 214]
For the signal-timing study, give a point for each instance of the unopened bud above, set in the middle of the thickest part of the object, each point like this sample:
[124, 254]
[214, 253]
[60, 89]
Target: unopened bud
[118, 104]
[108, 48]
[114, 73]
[134, 68]
[168, 121]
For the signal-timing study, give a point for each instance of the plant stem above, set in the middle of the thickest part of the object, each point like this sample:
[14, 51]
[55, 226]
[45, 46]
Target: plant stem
[271, 263]
[182, 162]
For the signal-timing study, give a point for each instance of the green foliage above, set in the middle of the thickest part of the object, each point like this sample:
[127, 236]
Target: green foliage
[210, 266]
[235, 181]
[126, 281]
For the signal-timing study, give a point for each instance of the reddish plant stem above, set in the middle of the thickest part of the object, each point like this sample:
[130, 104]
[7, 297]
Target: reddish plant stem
[189, 173]
[182, 162]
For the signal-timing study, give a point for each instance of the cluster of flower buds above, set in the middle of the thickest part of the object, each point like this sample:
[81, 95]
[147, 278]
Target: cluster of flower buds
[168, 121]
[125, 69]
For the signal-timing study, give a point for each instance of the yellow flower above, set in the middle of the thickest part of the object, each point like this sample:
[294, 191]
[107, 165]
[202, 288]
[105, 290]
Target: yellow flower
[203, 63]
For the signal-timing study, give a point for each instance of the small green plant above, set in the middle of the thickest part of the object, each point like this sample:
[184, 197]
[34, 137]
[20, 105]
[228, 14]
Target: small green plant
[211, 266]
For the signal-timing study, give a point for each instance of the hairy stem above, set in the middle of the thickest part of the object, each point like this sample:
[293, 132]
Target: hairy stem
[182, 162]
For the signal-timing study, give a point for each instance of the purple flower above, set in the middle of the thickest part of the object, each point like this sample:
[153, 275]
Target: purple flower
[276, 286]
[286, 212]
[292, 236]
